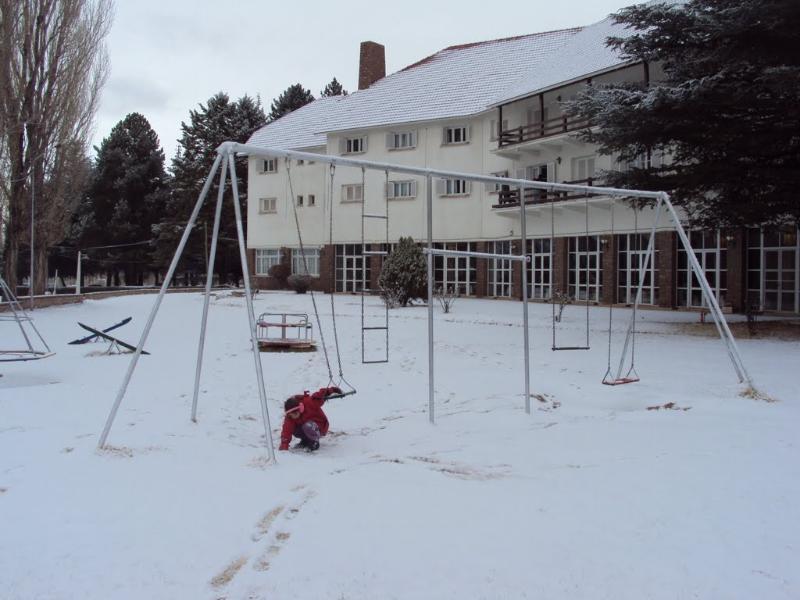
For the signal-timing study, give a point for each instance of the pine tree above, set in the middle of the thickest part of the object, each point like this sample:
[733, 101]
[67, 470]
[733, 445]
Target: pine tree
[217, 121]
[127, 189]
[725, 110]
[334, 88]
[404, 274]
[291, 99]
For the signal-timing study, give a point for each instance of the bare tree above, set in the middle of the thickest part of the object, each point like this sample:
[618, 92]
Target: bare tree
[53, 64]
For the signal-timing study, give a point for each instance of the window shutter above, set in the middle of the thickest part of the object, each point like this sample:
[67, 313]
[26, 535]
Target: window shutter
[414, 186]
[389, 189]
[364, 144]
[531, 116]
[590, 167]
[342, 145]
[441, 187]
[390, 140]
[468, 133]
[413, 139]
[520, 174]
[467, 187]
[444, 135]
[344, 193]
[491, 187]
[260, 167]
[551, 171]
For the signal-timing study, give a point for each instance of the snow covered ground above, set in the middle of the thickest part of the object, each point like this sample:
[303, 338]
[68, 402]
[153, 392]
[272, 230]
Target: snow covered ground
[590, 496]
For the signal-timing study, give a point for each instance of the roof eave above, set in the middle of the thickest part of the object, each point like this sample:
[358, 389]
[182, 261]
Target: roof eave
[565, 83]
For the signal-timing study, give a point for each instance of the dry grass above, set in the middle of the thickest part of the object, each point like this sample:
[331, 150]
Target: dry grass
[229, 573]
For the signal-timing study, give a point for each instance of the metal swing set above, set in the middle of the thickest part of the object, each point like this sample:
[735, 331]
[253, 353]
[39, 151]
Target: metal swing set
[36, 348]
[225, 156]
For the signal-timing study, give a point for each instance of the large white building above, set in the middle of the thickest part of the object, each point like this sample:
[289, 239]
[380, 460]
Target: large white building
[489, 108]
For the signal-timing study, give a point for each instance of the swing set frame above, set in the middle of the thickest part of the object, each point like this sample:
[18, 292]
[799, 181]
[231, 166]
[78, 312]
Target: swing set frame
[228, 150]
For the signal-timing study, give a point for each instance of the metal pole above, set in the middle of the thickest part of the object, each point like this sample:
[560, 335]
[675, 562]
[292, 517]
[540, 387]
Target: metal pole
[523, 254]
[78, 276]
[209, 278]
[262, 395]
[167, 279]
[33, 220]
[431, 404]
[722, 324]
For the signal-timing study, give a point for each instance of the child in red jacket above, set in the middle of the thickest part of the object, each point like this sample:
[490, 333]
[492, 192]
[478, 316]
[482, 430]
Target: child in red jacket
[304, 419]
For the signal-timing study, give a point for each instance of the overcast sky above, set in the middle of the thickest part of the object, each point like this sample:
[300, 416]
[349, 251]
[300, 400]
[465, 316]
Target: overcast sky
[168, 56]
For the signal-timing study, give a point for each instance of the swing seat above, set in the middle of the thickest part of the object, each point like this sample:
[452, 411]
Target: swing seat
[620, 381]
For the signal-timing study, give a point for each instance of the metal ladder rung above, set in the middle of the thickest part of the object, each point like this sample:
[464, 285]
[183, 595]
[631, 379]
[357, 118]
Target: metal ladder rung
[374, 253]
[375, 328]
[369, 216]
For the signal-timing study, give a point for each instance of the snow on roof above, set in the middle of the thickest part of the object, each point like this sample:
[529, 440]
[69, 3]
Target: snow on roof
[458, 81]
[584, 54]
[301, 128]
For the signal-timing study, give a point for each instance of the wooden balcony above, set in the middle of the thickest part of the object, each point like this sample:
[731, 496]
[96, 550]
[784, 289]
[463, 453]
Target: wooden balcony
[543, 129]
[509, 197]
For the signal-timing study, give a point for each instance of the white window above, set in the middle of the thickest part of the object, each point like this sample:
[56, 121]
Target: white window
[455, 135]
[269, 165]
[493, 133]
[266, 258]
[585, 268]
[397, 140]
[539, 269]
[353, 269]
[267, 205]
[457, 273]
[494, 188]
[402, 189]
[352, 192]
[631, 255]
[453, 187]
[312, 200]
[300, 200]
[353, 145]
[499, 271]
[312, 260]
[583, 168]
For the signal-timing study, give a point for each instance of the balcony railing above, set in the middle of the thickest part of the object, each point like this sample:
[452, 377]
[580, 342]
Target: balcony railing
[509, 197]
[542, 129]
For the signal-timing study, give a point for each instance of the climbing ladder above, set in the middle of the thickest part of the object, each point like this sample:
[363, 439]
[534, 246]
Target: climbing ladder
[365, 290]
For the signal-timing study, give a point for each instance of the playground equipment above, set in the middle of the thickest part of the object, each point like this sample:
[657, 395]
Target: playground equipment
[35, 348]
[285, 332]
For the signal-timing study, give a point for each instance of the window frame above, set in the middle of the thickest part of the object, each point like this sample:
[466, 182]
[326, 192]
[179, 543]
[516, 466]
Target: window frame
[263, 209]
[312, 260]
[266, 256]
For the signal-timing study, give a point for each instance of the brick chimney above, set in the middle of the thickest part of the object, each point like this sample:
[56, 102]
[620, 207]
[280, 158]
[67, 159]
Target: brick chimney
[372, 64]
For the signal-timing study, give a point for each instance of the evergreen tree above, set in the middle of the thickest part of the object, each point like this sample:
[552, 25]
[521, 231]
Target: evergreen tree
[217, 121]
[725, 110]
[291, 99]
[404, 274]
[127, 189]
[334, 88]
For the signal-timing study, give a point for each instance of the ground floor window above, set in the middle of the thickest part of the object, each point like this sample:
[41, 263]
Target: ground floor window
[266, 258]
[710, 248]
[540, 269]
[585, 268]
[312, 260]
[631, 253]
[352, 268]
[455, 272]
[773, 269]
[499, 271]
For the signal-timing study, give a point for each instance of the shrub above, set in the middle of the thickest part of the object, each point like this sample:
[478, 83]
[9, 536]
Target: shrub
[299, 283]
[280, 273]
[404, 274]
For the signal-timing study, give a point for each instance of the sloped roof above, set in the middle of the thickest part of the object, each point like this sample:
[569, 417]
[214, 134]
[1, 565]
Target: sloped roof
[585, 53]
[301, 128]
[459, 81]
